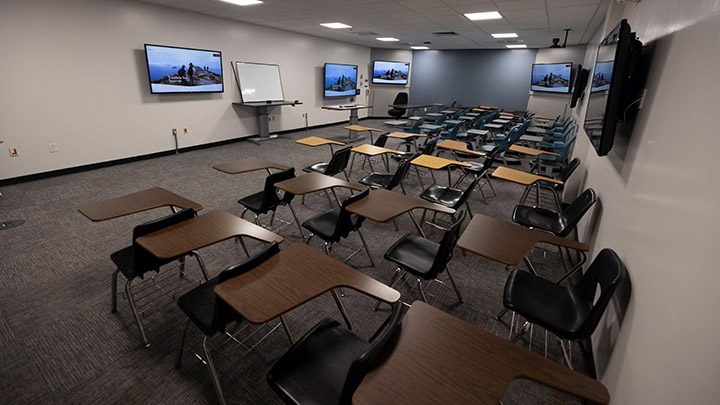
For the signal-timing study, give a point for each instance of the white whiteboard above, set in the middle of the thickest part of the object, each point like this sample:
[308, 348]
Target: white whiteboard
[259, 82]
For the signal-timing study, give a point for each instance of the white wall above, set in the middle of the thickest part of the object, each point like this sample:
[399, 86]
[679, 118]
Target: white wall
[658, 202]
[381, 95]
[551, 104]
[74, 74]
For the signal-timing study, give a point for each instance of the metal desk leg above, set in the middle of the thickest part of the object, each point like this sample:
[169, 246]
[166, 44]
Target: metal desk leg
[416, 224]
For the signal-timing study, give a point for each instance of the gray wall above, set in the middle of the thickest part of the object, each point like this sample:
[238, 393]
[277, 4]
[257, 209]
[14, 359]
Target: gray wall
[472, 77]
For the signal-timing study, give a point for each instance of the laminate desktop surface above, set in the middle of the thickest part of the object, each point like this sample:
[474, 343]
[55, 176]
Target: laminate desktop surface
[136, 202]
[312, 182]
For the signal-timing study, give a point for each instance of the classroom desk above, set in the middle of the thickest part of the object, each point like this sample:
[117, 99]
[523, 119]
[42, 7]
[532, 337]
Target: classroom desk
[201, 231]
[405, 136]
[291, 278]
[383, 205]
[520, 177]
[440, 359]
[360, 128]
[136, 202]
[434, 114]
[458, 146]
[248, 165]
[313, 182]
[532, 152]
[370, 151]
[431, 127]
[453, 122]
[438, 163]
[262, 116]
[353, 108]
[314, 141]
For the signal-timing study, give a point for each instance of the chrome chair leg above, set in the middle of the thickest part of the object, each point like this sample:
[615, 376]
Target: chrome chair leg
[490, 184]
[287, 329]
[341, 307]
[113, 289]
[297, 221]
[199, 259]
[422, 290]
[367, 250]
[452, 281]
[242, 243]
[185, 325]
[131, 300]
[213, 373]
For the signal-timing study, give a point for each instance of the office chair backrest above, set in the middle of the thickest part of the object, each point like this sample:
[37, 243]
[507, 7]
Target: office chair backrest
[429, 147]
[571, 215]
[347, 221]
[270, 193]
[490, 157]
[401, 98]
[140, 254]
[568, 170]
[400, 172]
[381, 140]
[466, 194]
[447, 247]
[415, 129]
[607, 272]
[339, 161]
[368, 360]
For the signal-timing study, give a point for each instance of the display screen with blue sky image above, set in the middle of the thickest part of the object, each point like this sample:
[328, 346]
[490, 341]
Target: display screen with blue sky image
[551, 77]
[340, 80]
[602, 76]
[183, 70]
[385, 72]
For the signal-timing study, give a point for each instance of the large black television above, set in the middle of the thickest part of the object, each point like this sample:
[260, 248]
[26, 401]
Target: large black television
[614, 103]
[387, 72]
[581, 78]
[340, 80]
[174, 70]
[551, 77]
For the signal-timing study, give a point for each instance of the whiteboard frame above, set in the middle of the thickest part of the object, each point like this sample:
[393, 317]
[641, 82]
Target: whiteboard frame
[237, 80]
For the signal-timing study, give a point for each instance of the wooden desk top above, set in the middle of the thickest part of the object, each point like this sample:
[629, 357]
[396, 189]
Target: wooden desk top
[362, 128]
[436, 163]
[405, 135]
[440, 359]
[483, 109]
[372, 150]
[292, 277]
[506, 242]
[494, 125]
[344, 108]
[530, 151]
[136, 202]
[312, 182]
[247, 165]
[383, 205]
[458, 146]
[204, 230]
[520, 177]
[431, 127]
[317, 141]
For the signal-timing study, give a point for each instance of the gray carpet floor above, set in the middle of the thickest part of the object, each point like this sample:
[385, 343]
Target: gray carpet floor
[59, 342]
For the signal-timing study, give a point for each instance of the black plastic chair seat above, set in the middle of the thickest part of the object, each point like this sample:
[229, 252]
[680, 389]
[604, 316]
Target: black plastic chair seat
[314, 370]
[253, 202]
[555, 308]
[317, 167]
[442, 195]
[377, 180]
[414, 254]
[323, 225]
[134, 262]
[200, 306]
[536, 217]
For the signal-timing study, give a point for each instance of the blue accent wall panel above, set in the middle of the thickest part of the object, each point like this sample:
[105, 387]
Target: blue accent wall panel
[493, 77]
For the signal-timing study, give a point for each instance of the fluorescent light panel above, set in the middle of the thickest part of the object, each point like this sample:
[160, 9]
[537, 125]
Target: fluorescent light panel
[516, 46]
[488, 15]
[419, 47]
[336, 25]
[387, 39]
[243, 2]
[505, 35]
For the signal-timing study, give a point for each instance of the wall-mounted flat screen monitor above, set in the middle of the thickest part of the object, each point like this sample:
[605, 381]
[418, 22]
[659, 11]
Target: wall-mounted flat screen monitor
[259, 82]
[601, 76]
[183, 70]
[340, 80]
[551, 77]
[385, 72]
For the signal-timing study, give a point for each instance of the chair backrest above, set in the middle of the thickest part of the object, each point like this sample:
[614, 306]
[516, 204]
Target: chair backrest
[452, 133]
[466, 194]
[575, 211]
[400, 172]
[401, 98]
[381, 140]
[347, 221]
[429, 147]
[339, 161]
[271, 197]
[140, 254]
[415, 129]
[607, 272]
[568, 170]
[368, 360]
[447, 246]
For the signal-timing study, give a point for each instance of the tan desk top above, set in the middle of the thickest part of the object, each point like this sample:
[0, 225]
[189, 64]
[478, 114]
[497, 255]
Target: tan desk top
[292, 277]
[530, 151]
[483, 109]
[312, 182]
[506, 242]
[204, 230]
[458, 146]
[136, 202]
[440, 359]
[372, 150]
[317, 141]
[520, 177]
[361, 128]
[405, 135]
[343, 108]
[383, 205]
[436, 163]
[247, 165]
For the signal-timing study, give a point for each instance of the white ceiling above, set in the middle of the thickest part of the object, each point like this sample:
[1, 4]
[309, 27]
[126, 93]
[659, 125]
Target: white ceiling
[414, 21]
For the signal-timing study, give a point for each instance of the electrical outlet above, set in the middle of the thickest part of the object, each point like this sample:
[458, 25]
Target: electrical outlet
[174, 130]
[53, 147]
[13, 152]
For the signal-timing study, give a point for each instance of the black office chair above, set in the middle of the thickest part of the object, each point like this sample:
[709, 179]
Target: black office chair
[450, 197]
[211, 314]
[571, 313]
[335, 224]
[338, 162]
[134, 261]
[424, 258]
[554, 188]
[327, 365]
[386, 180]
[559, 223]
[269, 199]
[401, 98]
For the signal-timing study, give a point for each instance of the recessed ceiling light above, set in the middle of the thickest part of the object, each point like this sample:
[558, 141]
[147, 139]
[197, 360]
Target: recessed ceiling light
[489, 15]
[336, 25]
[387, 39]
[243, 2]
[516, 46]
[419, 47]
[505, 35]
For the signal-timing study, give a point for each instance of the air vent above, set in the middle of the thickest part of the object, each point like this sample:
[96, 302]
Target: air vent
[445, 33]
[365, 33]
